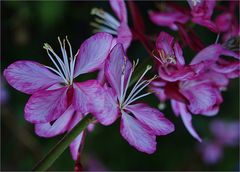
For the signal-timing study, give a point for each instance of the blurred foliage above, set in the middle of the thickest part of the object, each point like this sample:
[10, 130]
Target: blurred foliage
[26, 26]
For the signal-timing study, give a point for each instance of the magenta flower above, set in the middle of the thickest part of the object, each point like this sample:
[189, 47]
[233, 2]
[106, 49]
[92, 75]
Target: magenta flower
[107, 23]
[227, 22]
[172, 16]
[193, 89]
[201, 11]
[139, 130]
[172, 65]
[169, 17]
[55, 96]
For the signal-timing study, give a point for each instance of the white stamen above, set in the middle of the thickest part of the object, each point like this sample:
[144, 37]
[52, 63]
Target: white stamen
[49, 48]
[105, 22]
[138, 87]
[65, 68]
[129, 77]
[54, 70]
[64, 53]
[143, 95]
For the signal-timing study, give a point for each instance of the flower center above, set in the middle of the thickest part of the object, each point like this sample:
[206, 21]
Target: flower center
[65, 67]
[164, 58]
[124, 99]
[104, 22]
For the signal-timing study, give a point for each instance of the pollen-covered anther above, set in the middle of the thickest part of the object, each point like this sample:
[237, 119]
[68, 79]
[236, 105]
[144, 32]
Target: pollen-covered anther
[164, 58]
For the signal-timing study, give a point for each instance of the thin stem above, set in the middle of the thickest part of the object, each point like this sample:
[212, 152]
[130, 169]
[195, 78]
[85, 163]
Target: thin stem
[59, 148]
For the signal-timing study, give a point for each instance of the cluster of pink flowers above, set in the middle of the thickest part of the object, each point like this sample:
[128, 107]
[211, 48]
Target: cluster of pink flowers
[58, 103]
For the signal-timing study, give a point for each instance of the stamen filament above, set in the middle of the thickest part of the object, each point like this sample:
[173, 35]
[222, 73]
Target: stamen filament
[129, 78]
[102, 29]
[143, 95]
[54, 70]
[106, 16]
[48, 47]
[112, 26]
[54, 62]
[64, 55]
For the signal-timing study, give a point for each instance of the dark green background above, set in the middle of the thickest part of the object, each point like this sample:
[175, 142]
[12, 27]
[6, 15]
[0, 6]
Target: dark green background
[26, 26]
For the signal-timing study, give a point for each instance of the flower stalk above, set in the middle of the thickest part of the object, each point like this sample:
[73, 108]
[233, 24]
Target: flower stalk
[59, 148]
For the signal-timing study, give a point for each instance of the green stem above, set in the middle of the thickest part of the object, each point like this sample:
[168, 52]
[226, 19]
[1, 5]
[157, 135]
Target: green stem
[59, 148]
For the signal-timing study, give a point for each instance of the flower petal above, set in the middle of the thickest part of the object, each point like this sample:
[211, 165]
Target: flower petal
[116, 62]
[201, 95]
[136, 135]
[108, 111]
[75, 146]
[58, 127]
[173, 74]
[152, 118]
[124, 35]
[187, 120]
[29, 76]
[46, 105]
[168, 19]
[96, 100]
[211, 52]
[120, 10]
[92, 53]
[78, 141]
[179, 53]
[165, 42]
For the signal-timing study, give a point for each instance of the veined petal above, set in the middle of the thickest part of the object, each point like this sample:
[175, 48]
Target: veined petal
[175, 107]
[201, 96]
[124, 35]
[98, 101]
[136, 134]
[107, 111]
[152, 118]
[92, 53]
[75, 146]
[80, 99]
[58, 127]
[29, 76]
[78, 141]
[120, 10]
[165, 42]
[187, 120]
[114, 68]
[46, 105]
[179, 53]
[174, 74]
[211, 52]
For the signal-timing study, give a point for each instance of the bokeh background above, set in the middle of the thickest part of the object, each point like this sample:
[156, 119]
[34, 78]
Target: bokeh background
[25, 27]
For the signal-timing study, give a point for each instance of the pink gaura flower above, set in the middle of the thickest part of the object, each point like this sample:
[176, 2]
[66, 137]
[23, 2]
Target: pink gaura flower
[57, 102]
[227, 22]
[107, 23]
[201, 12]
[193, 89]
[139, 123]
[172, 64]
[169, 17]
